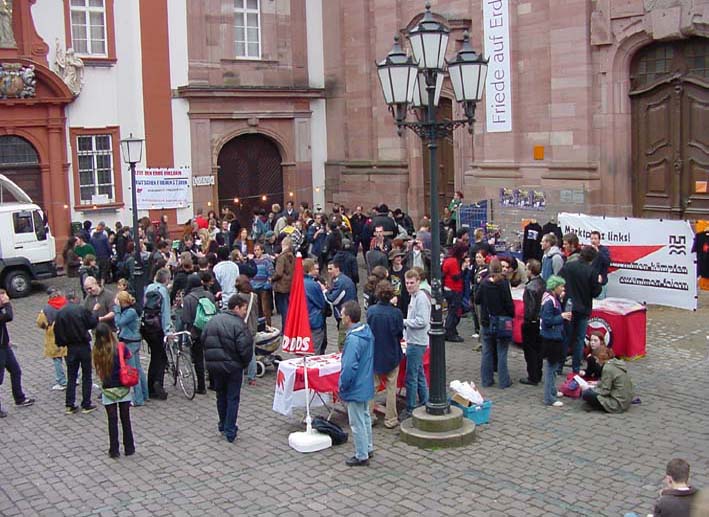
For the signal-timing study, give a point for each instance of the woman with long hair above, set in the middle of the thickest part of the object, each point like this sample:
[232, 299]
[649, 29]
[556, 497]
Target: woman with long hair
[72, 261]
[378, 274]
[495, 299]
[128, 323]
[115, 397]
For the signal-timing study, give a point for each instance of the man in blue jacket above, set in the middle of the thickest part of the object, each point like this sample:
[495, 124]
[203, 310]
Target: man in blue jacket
[387, 325]
[356, 385]
[99, 240]
[342, 290]
[316, 305]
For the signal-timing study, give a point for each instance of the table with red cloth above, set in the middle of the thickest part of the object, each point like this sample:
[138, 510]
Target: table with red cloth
[323, 379]
[622, 323]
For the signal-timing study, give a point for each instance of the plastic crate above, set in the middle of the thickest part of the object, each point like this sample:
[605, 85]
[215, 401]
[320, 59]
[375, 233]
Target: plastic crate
[480, 414]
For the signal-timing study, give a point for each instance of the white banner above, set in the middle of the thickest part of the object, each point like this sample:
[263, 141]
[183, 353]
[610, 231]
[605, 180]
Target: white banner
[498, 86]
[162, 188]
[651, 261]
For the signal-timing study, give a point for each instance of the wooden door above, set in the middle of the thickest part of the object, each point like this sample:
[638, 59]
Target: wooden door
[20, 163]
[249, 170]
[670, 110]
[446, 172]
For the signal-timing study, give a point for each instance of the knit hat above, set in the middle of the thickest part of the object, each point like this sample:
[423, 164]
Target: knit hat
[554, 281]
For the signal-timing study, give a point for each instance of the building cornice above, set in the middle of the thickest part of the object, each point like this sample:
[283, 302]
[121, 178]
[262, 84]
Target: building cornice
[256, 92]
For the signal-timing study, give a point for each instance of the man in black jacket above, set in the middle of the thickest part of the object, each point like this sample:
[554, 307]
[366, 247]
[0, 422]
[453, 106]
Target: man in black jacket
[581, 288]
[531, 342]
[7, 356]
[228, 348]
[71, 329]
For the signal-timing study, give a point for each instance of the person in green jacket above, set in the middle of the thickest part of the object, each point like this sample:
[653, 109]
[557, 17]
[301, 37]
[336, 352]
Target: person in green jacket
[614, 392]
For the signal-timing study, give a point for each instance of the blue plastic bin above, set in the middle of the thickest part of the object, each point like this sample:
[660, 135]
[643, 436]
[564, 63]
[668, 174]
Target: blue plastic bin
[480, 414]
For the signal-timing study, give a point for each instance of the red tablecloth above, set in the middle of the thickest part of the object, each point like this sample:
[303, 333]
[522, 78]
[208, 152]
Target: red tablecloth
[622, 322]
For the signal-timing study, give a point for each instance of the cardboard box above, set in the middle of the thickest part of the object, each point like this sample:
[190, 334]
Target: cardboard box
[461, 400]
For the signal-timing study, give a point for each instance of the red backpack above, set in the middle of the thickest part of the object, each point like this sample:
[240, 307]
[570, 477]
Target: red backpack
[127, 374]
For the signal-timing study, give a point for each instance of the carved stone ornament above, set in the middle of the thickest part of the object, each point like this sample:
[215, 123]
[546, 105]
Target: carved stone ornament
[17, 81]
[70, 68]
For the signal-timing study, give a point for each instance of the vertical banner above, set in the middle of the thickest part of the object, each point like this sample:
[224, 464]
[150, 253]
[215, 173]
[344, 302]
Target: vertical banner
[498, 86]
[651, 259]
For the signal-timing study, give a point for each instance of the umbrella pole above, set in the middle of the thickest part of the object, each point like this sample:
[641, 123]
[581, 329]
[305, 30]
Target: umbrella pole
[308, 420]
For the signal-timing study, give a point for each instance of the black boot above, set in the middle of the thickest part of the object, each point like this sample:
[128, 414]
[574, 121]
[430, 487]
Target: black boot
[159, 392]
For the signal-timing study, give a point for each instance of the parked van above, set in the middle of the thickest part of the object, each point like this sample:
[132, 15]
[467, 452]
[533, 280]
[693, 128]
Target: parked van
[27, 248]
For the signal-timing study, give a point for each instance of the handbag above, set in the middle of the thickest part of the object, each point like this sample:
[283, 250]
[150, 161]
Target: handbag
[570, 388]
[127, 374]
[501, 326]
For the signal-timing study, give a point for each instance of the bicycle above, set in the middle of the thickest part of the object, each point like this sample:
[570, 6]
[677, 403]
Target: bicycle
[179, 362]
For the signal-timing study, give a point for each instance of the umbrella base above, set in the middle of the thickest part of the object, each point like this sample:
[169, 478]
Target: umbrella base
[311, 441]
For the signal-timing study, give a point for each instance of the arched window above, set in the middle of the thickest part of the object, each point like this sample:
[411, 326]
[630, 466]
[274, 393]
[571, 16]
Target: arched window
[659, 60]
[15, 150]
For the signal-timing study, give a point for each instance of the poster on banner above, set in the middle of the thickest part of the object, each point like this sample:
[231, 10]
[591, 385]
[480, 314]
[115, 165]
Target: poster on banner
[297, 337]
[162, 188]
[651, 260]
[498, 84]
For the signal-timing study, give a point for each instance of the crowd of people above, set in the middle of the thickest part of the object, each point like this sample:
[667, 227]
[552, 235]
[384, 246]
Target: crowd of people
[245, 268]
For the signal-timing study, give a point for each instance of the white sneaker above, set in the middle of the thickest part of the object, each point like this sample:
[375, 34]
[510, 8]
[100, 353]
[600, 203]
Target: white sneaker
[95, 386]
[58, 387]
[558, 403]
[559, 394]
[475, 336]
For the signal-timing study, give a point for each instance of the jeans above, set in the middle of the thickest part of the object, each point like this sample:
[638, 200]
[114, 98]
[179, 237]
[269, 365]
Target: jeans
[591, 397]
[475, 309]
[576, 338]
[59, 371]
[454, 300]
[112, 411]
[319, 340]
[265, 304]
[78, 355]
[487, 366]
[361, 426]
[282, 307]
[8, 362]
[140, 390]
[415, 376]
[532, 345]
[197, 355]
[228, 387]
[158, 360]
[550, 382]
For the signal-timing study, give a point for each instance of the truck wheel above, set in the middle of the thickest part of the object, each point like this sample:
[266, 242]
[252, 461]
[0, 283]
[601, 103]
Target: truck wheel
[18, 284]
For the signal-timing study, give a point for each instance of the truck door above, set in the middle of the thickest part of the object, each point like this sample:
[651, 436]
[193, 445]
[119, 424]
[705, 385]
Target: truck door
[30, 236]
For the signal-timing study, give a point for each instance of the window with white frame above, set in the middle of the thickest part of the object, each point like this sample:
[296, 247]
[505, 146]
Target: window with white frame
[88, 27]
[247, 28]
[95, 166]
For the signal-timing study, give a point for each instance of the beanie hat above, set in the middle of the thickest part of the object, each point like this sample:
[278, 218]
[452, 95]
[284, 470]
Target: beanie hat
[555, 281]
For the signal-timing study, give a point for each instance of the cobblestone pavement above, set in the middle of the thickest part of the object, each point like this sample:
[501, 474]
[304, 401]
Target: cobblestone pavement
[530, 460]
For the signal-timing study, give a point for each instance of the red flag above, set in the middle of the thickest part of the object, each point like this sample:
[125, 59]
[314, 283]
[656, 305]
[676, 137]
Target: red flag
[297, 338]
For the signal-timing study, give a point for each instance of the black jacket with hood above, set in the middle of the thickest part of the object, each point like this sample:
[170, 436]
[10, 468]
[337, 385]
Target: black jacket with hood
[228, 345]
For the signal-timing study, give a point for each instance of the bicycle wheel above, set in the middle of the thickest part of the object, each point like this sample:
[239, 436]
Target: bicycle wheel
[186, 375]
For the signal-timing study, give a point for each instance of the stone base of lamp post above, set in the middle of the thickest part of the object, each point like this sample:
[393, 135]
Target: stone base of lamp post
[428, 431]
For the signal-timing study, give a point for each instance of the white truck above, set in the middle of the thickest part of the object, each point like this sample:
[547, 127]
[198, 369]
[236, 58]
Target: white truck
[27, 248]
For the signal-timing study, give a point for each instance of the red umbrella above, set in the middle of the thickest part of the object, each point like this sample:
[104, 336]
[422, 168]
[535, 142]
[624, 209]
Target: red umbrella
[297, 338]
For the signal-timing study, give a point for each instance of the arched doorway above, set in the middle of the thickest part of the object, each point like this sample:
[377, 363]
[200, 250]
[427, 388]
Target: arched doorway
[20, 163]
[670, 116]
[249, 170]
[446, 162]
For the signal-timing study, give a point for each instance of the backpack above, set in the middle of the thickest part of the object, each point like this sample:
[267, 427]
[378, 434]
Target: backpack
[331, 429]
[205, 312]
[151, 319]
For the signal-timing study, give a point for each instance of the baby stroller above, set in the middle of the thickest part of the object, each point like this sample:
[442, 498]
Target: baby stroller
[266, 342]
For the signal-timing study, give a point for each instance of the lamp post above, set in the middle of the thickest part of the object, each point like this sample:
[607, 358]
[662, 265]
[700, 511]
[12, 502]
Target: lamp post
[132, 150]
[413, 83]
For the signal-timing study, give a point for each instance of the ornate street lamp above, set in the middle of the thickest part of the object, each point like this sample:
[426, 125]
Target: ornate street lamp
[429, 41]
[132, 150]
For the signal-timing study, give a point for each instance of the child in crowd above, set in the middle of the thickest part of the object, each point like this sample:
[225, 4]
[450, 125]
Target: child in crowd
[45, 321]
[552, 333]
[677, 497]
[116, 398]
